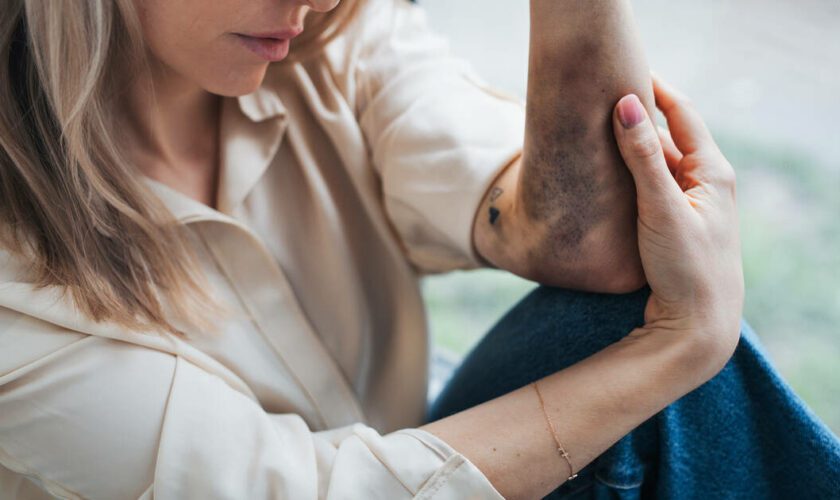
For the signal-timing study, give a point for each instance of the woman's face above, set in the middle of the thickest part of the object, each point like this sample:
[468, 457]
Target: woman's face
[224, 46]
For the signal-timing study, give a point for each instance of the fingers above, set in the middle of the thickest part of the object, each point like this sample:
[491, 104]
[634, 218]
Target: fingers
[687, 127]
[639, 144]
[673, 156]
[690, 135]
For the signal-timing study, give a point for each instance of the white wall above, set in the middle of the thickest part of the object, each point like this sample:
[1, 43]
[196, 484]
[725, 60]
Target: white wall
[764, 69]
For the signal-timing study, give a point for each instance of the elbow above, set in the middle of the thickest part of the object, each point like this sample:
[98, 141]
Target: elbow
[610, 249]
[607, 264]
[617, 275]
[619, 271]
[584, 238]
[620, 283]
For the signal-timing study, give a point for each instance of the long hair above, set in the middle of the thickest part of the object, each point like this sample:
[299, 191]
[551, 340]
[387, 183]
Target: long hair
[69, 199]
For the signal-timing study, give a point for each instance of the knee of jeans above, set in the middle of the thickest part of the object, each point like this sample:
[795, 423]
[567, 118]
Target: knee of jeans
[565, 303]
[625, 471]
[625, 463]
[568, 315]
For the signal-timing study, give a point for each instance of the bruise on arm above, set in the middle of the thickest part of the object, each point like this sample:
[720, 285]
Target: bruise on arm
[572, 192]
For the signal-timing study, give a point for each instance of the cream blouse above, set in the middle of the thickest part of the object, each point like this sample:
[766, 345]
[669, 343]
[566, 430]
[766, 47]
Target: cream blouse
[343, 180]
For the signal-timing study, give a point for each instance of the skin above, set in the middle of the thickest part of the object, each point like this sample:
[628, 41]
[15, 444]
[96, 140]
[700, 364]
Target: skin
[681, 212]
[690, 252]
[565, 211]
[195, 58]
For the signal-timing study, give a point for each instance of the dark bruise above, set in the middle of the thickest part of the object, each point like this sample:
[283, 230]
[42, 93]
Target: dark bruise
[569, 147]
[494, 214]
[561, 185]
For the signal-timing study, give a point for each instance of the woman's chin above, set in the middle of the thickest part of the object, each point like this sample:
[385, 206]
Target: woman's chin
[240, 82]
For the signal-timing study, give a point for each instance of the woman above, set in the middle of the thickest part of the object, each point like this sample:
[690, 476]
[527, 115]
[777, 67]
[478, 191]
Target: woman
[211, 250]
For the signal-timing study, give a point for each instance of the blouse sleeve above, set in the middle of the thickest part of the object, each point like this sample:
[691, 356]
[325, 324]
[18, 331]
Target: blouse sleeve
[439, 135]
[89, 417]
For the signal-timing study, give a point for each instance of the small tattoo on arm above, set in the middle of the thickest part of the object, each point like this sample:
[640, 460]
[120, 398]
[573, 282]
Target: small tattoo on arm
[494, 214]
[495, 193]
[493, 211]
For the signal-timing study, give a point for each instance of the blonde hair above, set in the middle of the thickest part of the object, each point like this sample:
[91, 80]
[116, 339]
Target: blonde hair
[68, 197]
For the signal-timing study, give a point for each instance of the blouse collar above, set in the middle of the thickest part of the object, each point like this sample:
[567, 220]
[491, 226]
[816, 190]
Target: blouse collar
[251, 131]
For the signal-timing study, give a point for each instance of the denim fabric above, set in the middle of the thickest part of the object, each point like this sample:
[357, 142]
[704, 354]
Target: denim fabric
[743, 434]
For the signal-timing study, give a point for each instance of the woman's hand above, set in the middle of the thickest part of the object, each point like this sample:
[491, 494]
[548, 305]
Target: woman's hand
[687, 219]
[688, 242]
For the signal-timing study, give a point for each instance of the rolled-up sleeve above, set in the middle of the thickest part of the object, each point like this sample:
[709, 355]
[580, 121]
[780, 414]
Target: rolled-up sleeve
[438, 133]
[97, 418]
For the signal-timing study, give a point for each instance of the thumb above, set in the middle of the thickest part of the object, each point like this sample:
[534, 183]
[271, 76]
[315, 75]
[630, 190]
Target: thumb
[639, 144]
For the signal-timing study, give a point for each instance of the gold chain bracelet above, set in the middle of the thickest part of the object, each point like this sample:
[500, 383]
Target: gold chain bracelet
[560, 449]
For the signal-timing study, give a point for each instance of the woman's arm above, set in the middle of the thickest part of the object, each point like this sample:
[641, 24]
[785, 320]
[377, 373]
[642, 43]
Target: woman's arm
[690, 250]
[592, 404]
[565, 214]
[84, 416]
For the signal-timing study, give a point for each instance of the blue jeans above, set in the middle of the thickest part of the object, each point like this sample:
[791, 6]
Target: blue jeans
[743, 434]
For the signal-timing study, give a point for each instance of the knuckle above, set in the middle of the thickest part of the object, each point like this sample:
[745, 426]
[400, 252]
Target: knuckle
[646, 146]
[685, 102]
[726, 175]
[717, 169]
[681, 103]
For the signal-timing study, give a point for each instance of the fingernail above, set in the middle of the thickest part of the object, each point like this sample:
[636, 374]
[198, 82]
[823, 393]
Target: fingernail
[630, 111]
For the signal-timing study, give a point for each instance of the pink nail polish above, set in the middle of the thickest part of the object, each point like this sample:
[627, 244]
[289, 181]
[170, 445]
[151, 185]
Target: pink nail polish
[630, 111]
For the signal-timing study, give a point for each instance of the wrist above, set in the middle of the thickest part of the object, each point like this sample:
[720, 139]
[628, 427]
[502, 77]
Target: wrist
[712, 324]
[697, 347]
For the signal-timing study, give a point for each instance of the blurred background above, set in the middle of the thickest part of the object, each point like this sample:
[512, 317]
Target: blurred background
[766, 76]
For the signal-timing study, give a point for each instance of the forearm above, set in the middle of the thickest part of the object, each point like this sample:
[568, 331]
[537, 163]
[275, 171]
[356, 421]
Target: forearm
[592, 404]
[567, 217]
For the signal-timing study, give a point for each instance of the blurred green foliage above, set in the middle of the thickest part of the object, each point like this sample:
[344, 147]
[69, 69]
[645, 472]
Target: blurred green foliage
[790, 231]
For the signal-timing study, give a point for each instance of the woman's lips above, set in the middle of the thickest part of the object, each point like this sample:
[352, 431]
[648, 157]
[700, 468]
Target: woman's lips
[270, 49]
